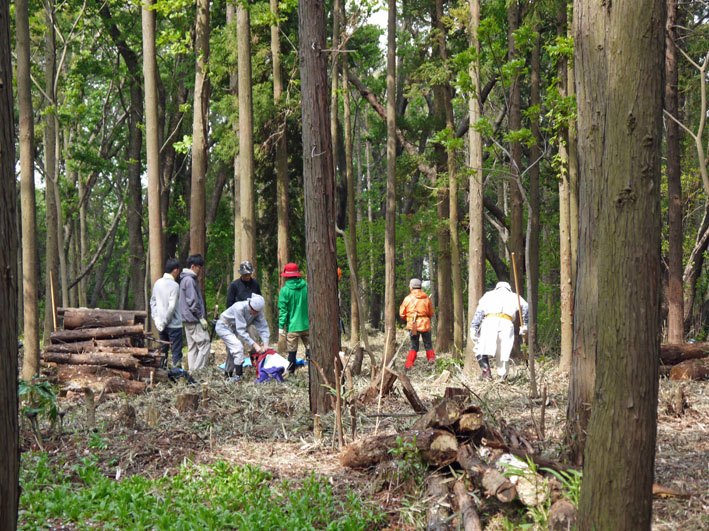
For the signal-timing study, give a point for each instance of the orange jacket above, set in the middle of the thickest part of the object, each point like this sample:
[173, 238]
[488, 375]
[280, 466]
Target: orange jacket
[417, 306]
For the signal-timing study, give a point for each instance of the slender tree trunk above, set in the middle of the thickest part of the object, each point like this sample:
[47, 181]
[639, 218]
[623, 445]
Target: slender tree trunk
[83, 239]
[9, 429]
[675, 316]
[476, 242]
[152, 148]
[200, 129]
[334, 105]
[281, 146]
[516, 241]
[30, 279]
[619, 458]
[50, 164]
[234, 91]
[247, 207]
[390, 223]
[319, 202]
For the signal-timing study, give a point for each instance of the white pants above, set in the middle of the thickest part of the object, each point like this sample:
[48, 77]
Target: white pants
[497, 337]
[198, 346]
[235, 347]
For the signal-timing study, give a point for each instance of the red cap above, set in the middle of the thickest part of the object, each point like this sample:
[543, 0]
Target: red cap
[290, 270]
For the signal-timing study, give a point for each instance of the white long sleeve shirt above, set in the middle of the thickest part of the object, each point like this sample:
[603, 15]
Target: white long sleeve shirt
[163, 303]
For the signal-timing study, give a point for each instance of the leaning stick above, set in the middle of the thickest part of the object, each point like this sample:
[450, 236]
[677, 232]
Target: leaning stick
[519, 304]
[54, 310]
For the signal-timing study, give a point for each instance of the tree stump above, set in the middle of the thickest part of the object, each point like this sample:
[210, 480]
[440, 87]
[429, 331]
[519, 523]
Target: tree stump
[562, 515]
[186, 402]
[152, 416]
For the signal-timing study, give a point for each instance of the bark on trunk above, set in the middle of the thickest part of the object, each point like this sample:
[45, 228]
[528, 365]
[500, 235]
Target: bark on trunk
[436, 447]
[96, 333]
[108, 359]
[690, 370]
[673, 354]
[95, 319]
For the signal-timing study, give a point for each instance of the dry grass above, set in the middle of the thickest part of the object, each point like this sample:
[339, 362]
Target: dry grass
[269, 425]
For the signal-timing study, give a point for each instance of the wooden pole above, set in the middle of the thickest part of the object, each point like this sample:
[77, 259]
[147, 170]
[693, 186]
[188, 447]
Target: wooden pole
[54, 310]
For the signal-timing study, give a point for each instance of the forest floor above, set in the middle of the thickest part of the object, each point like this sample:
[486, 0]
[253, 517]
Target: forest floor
[269, 426]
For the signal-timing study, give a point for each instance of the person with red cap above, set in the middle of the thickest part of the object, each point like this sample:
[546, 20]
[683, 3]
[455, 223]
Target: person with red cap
[417, 309]
[293, 313]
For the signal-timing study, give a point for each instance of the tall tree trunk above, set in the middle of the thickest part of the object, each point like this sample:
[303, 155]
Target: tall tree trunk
[619, 458]
[30, 279]
[234, 91]
[516, 241]
[281, 146]
[675, 316]
[83, 238]
[476, 242]
[334, 105]
[247, 207]
[351, 208]
[444, 301]
[200, 129]
[319, 187]
[50, 164]
[390, 222]
[9, 429]
[152, 146]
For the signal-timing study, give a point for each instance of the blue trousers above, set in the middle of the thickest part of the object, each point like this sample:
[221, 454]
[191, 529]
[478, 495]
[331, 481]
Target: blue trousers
[174, 336]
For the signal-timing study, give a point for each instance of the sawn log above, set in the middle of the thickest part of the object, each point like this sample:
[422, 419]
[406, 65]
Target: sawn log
[105, 358]
[83, 346]
[79, 319]
[672, 354]
[62, 336]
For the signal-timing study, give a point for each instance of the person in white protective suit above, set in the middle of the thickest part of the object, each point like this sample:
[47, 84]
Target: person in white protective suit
[492, 327]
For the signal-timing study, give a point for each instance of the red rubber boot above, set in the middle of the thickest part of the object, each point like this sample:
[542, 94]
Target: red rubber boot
[431, 355]
[410, 359]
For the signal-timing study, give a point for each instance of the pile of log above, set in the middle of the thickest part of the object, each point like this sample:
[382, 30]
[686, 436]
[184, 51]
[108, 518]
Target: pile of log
[104, 350]
[685, 361]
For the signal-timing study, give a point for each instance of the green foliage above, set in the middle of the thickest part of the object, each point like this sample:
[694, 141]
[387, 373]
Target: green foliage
[570, 481]
[37, 396]
[408, 461]
[218, 496]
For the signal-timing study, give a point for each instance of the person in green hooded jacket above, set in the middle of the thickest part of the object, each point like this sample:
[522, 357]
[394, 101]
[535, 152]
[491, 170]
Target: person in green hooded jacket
[293, 313]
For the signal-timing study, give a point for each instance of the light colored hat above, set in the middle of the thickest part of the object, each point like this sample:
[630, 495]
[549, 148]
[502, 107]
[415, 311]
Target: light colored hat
[415, 283]
[256, 302]
[503, 285]
[290, 270]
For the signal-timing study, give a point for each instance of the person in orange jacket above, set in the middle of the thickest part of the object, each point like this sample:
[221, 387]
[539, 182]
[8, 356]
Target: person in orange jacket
[417, 309]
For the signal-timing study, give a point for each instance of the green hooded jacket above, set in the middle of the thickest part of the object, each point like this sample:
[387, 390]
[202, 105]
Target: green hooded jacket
[293, 306]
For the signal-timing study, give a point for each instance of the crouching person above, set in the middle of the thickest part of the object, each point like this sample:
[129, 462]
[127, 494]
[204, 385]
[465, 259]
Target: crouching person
[231, 327]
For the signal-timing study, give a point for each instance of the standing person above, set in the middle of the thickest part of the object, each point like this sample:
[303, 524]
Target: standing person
[492, 327]
[165, 312]
[417, 309]
[194, 314]
[293, 313]
[244, 286]
[231, 327]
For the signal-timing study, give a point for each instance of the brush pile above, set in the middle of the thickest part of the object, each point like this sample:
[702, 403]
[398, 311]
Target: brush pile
[103, 350]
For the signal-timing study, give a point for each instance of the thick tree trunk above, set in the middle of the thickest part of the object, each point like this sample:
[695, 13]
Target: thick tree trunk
[247, 200]
[319, 202]
[476, 241]
[30, 280]
[9, 430]
[675, 316]
[620, 449]
[152, 146]
[200, 130]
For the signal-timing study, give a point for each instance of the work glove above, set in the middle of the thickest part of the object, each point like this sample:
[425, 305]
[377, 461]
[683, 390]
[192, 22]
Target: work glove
[281, 332]
[204, 324]
[523, 330]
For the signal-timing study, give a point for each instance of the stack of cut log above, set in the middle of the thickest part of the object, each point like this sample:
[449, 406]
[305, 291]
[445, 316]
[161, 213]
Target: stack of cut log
[104, 350]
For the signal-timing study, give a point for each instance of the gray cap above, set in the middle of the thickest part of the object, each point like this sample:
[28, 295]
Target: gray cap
[245, 268]
[256, 302]
[415, 283]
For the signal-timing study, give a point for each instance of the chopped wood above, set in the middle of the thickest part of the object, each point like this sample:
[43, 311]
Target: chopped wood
[531, 489]
[410, 393]
[138, 314]
[371, 393]
[660, 491]
[438, 508]
[470, 420]
[80, 319]
[460, 395]
[67, 373]
[104, 358]
[82, 346]
[436, 447]
[469, 462]
[690, 370]
[61, 336]
[132, 387]
[498, 485]
[443, 415]
[187, 402]
[109, 349]
[674, 353]
[562, 515]
[466, 507]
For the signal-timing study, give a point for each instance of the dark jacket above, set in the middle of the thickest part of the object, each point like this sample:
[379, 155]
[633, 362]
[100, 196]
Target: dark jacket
[241, 291]
[293, 306]
[191, 303]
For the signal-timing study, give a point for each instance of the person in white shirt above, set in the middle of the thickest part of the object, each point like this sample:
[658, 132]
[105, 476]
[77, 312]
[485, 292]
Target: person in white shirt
[492, 327]
[165, 312]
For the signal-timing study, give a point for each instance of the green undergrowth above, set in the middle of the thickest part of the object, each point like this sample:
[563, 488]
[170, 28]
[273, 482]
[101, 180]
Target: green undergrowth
[218, 496]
